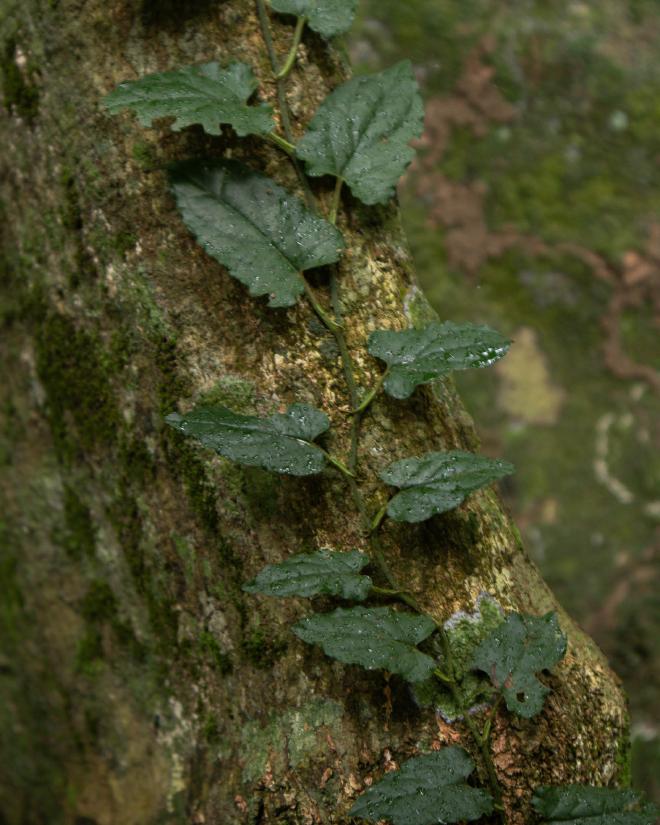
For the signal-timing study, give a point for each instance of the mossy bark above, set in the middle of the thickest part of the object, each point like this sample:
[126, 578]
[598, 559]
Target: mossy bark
[138, 683]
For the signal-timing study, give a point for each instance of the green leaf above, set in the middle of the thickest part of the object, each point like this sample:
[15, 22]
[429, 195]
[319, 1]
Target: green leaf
[327, 17]
[206, 94]
[374, 637]
[419, 356]
[464, 632]
[280, 443]
[586, 805]
[514, 652]
[361, 132]
[438, 482]
[426, 790]
[261, 233]
[325, 573]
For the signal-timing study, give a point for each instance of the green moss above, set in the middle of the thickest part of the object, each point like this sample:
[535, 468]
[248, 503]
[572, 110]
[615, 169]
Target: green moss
[20, 94]
[262, 650]
[624, 761]
[145, 155]
[11, 598]
[261, 489]
[288, 740]
[211, 729]
[189, 469]
[172, 386]
[233, 392]
[127, 521]
[83, 269]
[99, 609]
[77, 381]
[123, 242]
[89, 653]
[78, 537]
[136, 461]
[212, 653]
[187, 554]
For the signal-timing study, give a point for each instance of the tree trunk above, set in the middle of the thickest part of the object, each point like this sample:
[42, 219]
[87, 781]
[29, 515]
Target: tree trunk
[138, 683]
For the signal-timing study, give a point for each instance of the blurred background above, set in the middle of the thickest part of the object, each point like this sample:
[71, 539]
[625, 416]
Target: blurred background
[534, 207]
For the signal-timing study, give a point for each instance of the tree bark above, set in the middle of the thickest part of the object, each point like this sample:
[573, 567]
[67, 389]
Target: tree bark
[138, 683]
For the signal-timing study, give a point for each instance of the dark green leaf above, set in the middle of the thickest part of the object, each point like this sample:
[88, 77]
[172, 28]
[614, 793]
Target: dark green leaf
[362, 130]
[586, 805]
[327, 17]
[281, 443]
[206, 94]
[374, 637]
[438, 482]
[313, 574]
[426, 790]
[418, 356]
[514, 652]
[464, 632]
[261, 233]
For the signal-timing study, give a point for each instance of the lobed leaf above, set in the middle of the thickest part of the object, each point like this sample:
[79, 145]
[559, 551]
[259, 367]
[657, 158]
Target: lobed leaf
[207, 94]
[281, 443]
[374, 637]
[326, 572]
[361, 132]
[586, 805]
[464, 632]
[327, 17]
[514, 652]
[438, 482]
[261, 233]
[426, 790]
[419, 356]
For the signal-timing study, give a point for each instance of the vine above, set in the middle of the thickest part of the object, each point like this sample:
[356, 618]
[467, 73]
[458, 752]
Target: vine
[267, 239]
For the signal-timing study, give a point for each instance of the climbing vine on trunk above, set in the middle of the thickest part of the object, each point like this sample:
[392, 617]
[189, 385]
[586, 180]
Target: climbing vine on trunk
[268, 238]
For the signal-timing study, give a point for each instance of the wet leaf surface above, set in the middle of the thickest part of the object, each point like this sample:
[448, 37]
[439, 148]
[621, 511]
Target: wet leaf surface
[361, 132]
[374, 637]
[426, 790]
[280, 443]
[418, 356]
[207, 95]
[263, 235]
[327, 17]
[438, 482]
[515, 652]
[326, 572]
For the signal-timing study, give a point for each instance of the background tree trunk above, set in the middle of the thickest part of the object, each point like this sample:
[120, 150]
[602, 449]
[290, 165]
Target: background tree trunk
[138, 684]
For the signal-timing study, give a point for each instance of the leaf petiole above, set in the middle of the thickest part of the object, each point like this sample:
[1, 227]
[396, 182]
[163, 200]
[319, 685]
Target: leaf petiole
[329, 322]
[290, 61]
[336, 200]
[284, 144]
[373, 392]
[378, 518]
[337, 463]
[385, 591]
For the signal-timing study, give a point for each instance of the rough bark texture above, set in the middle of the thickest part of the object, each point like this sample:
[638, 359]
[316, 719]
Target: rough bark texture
[138, 684]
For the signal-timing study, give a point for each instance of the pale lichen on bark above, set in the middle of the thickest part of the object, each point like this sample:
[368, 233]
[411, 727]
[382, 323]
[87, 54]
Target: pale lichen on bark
[139, 684]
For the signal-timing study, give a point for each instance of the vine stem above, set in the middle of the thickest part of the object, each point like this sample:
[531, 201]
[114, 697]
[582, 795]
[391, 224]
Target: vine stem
[369, 397]
[290, 61]
[335, 326]
[481, 738]
[378, 518]
[329, 322]
[285, 116]
[278, 140]
[337, 463]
